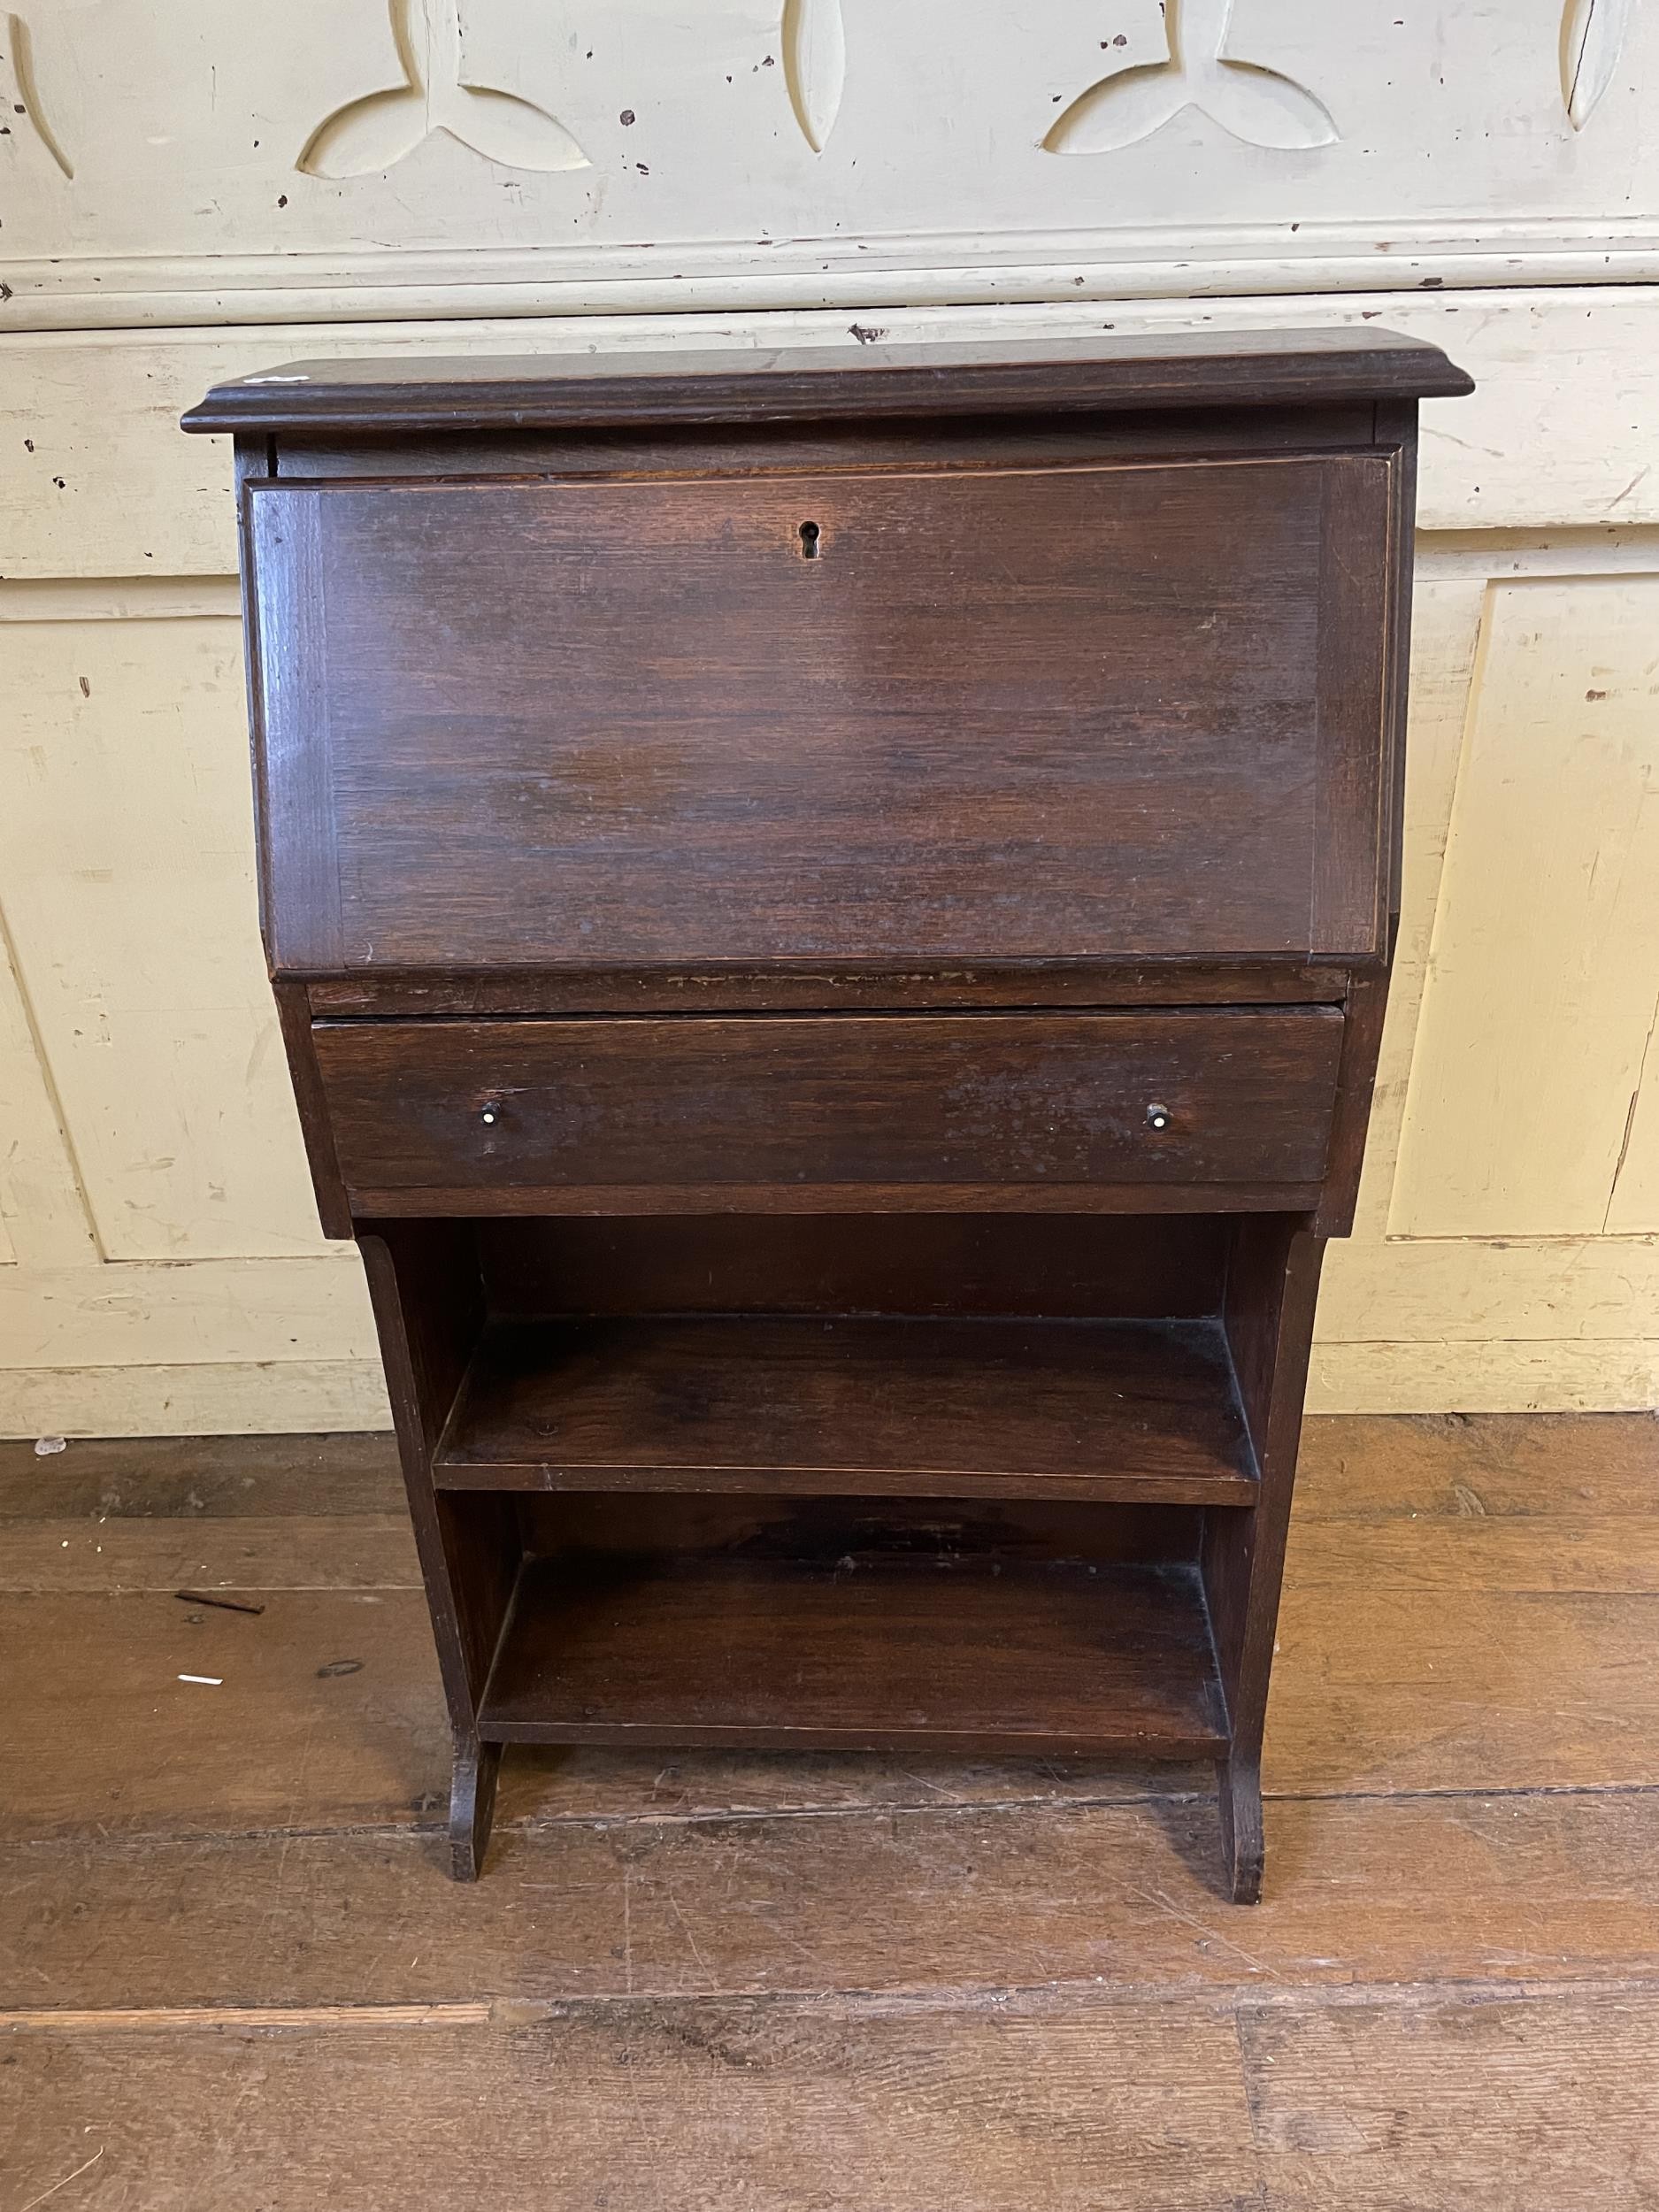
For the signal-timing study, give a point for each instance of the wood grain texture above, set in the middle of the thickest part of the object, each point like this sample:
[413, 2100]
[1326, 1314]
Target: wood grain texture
[1273, 1281]
[1586, 1554]
[1359, 734]
[1507, 2098]
[1445, 1685]
[428, 1300]
[275, 1739]
[958, 1409]
[1499, 1467]
[929, 1653]
[786, 988]
[718, 711]
[791, 446]
[928, 1895]
[585, 390]
[1129, 1267]
[295, 1015]
[819, 1978]
[1461, 1708]
[346, 1552]
[288, 651]
[1395, 428]
[102, 1740]
[189, 1478]
[1214, 2104]
[670, 2104]
[484, 1201]
[949, 735]
[1364, 1012]
[830, 1981]
[617, 1528]
[1011, 1102]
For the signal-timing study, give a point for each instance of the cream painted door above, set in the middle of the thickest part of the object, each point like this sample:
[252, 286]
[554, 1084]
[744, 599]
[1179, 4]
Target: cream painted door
[211, 187]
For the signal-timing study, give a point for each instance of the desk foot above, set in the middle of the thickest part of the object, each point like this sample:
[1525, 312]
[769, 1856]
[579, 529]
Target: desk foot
[1242, 1842]
[471, 1807]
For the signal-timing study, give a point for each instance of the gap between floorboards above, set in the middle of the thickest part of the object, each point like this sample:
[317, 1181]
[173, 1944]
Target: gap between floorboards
[1012, 1999]
[425, 1832]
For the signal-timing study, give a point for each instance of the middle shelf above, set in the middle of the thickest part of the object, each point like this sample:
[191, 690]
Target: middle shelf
[1133, 1411]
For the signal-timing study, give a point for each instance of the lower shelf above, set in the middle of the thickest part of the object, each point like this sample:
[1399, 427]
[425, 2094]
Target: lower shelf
[993, 1656]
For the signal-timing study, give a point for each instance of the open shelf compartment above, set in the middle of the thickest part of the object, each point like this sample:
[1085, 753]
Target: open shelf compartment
[907, 1652]
[988, 1486]
[803, 1406]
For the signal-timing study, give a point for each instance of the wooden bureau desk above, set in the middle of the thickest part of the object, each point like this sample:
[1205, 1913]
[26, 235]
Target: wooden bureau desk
[831, 914]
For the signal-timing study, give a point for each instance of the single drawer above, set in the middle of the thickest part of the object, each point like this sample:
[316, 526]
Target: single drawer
[1004, 1113]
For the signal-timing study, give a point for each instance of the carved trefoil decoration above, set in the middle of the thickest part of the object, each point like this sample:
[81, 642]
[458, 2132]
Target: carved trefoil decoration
[1260, 105]
[1593, 35]
[383, 129]
[16, 61]
[814, 65]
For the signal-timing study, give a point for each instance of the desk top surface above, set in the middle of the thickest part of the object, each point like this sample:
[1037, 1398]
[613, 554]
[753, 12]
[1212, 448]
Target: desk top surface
[423, 393]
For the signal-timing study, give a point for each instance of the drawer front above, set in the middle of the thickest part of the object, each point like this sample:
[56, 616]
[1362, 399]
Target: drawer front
[1001, 1113]
[1088, 713]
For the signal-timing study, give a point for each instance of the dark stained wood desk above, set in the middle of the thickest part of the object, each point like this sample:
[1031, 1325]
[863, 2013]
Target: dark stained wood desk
[831, 915]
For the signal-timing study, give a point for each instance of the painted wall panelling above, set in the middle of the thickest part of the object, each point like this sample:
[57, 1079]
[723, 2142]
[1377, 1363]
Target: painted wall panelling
[1537, 1305]
[161, 1268]
[1423, 1308]
[1560, 434]
[200, 164]
[194, 191]
[1416, 1312]
[124, 854]
[1554, 842]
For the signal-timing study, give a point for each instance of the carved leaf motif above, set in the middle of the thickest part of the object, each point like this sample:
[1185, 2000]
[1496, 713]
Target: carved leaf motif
[505, 128]
[374, 134]
[1196, 29]
[1593, 35]
[1119, 111]
[366, 134]
[1260, 105]
[814, 65]
[18, 46]
[1266, 109]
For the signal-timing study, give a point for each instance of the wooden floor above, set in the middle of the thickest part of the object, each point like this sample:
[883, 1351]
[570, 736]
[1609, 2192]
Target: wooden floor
[234, 1976]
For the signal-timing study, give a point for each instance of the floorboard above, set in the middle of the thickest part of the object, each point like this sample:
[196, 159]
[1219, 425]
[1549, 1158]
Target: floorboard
[363, 1551]
[1121, 1895]
[319, 1712]
[1542, 2100]
[769, 2105]
[1381, 1690]
[231, 1968]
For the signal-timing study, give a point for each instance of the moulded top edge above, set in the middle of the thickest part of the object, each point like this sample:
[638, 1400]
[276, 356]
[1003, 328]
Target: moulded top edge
[408, 394]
